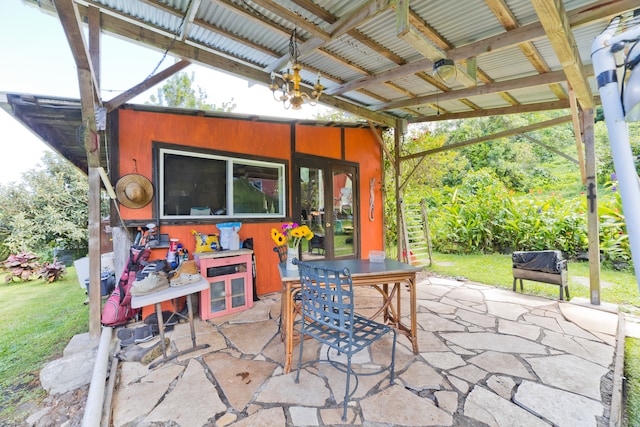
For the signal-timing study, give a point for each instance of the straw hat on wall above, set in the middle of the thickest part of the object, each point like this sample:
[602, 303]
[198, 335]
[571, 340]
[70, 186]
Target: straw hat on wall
[134, 191]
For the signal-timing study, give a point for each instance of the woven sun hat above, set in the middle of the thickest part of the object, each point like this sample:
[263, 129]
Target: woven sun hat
[134, 191]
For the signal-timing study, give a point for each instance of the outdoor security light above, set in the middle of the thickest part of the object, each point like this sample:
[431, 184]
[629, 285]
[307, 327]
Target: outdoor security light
[445, 69]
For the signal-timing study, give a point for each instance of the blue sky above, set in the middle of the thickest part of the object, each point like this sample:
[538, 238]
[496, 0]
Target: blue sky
[35, 58]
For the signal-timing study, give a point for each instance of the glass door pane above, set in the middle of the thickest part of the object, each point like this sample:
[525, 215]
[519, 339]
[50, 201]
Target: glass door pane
[345, 224]
[312, 211]
[237, 292]
[218, 297]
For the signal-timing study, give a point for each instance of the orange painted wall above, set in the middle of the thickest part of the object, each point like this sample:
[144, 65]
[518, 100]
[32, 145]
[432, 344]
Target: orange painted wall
[138, 129]
[362, 147]
[319, 141]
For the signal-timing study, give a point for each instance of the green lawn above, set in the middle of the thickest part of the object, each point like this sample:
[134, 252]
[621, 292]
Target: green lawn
[37, 320]
[617, 287]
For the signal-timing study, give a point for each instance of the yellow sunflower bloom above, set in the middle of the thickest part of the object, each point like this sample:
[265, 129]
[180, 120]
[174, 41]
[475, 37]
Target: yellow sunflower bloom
[280, 239]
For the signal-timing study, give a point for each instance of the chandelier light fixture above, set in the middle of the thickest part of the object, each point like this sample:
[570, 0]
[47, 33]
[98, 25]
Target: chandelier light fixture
[289, 92]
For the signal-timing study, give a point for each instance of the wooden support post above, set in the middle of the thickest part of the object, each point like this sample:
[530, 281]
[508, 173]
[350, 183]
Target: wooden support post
[94, 254]
[397, 138]
[592, 205]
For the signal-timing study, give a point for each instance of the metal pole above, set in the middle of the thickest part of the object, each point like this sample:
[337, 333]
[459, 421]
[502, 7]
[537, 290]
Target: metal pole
[604, 67]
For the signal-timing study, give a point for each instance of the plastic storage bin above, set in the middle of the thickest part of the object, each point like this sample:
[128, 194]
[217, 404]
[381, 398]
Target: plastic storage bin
[107, 283]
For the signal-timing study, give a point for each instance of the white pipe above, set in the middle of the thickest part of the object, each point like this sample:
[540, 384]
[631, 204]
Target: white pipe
[604, 67]
[93, 408]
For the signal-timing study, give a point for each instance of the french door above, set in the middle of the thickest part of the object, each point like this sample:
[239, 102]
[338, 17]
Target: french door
[325, 197]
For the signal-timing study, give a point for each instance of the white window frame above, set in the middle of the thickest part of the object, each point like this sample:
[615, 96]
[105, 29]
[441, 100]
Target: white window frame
[230, 162]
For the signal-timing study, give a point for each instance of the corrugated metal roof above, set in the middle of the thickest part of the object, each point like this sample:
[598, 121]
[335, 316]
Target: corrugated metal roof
[356, 47]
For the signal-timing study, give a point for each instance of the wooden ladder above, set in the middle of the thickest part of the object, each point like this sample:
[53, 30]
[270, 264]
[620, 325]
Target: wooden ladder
[416, 237]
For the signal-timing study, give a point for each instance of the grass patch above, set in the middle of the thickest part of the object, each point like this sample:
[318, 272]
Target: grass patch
[617, 287]
[37, 320]
[632, 386]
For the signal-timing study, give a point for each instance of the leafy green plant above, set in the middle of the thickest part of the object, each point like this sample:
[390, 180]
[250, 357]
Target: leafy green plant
[481, 216]
[22, 267]
[632, 375]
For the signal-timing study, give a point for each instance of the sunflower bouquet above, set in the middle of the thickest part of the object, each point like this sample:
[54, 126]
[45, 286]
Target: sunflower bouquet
[291, 234]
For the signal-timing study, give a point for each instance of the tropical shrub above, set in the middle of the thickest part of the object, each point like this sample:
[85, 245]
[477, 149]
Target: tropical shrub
[481, 215]
[21, 267]
[53, 271]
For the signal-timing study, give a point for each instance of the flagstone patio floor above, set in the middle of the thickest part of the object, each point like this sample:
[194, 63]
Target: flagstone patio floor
[488, 357]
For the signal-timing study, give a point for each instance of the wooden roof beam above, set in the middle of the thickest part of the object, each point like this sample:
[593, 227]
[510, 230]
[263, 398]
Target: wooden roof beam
[521, 34]
[556, 24]
[188, 18]
[509, 22]
[69, 17]
[515, 109]
[144, 85]
[189, 51]
[498, 135]
[507, 85]
[342, 26]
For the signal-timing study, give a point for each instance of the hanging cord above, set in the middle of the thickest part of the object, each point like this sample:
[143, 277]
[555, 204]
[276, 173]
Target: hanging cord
[372, 198]
[628, 66]
[175, 37]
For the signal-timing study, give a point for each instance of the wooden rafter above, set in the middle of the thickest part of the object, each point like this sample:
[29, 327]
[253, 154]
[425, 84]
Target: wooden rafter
[577, 131]
[509, 22]
[506, 40]
[556, 24]
[536, 80]
[144, 85]
[498, 135]
[319, 33]
[524, 108]
[189, 16]
[112, 24]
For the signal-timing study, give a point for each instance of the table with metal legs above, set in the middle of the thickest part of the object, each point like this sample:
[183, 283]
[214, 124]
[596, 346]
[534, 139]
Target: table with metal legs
[157, 298]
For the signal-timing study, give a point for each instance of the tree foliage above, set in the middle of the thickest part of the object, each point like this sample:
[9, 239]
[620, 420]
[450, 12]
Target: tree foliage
[179, 91]
[333, 115]
[48, 208]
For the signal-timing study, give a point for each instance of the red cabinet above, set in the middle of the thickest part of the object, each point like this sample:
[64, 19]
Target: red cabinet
[230, 282]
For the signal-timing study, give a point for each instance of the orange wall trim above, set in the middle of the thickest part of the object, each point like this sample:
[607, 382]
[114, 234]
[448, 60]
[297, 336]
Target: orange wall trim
[137, 130]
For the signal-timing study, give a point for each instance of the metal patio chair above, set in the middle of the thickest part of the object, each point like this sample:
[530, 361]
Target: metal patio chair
[328, 316]
[282, 252]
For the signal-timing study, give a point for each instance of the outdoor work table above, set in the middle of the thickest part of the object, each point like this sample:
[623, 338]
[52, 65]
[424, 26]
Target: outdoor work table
[157, 298]
[363, 273]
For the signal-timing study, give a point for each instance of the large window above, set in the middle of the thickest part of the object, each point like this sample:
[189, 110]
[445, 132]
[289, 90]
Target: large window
[203, 185]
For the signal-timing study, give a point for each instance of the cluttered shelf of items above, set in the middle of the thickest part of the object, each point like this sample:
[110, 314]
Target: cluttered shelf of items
[157, 292]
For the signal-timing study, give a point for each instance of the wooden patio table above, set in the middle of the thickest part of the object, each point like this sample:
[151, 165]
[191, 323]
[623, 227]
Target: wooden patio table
[363, 273]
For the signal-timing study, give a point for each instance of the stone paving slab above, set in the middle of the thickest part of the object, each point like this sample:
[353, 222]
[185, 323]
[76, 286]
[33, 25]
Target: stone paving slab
[488, 356]
[193, 391]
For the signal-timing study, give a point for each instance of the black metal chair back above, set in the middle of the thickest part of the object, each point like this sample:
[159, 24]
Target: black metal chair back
[328, 316]
[282, 252]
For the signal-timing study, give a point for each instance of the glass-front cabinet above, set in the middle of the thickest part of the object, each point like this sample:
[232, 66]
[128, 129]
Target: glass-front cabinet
[230, 282]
